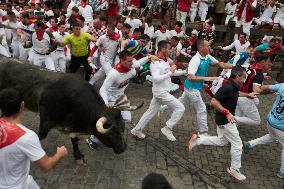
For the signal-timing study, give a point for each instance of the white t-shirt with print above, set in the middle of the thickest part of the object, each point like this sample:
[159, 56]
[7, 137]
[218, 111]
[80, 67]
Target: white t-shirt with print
[15, 161]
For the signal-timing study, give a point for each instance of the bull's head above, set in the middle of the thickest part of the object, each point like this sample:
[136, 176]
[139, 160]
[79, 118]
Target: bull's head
[111, 126]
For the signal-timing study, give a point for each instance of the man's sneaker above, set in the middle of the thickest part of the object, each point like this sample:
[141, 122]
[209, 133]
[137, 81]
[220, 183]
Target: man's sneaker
[280, 174]
[91, 144]
[247, 147]
[138, 134]
[192, 141]
[168, 133]
[236, 174]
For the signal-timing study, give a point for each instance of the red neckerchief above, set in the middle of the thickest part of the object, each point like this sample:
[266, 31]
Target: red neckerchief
[40, 34]
[120, 68]
[46, 9]
[134, 37]
[29, 23]
[9, 133]
[257, 66]
[83, 4]
[74, 16]
[163, 31]
[162, 57]
[178, 30]
[53, 29]
[22, 10]
[114, 37]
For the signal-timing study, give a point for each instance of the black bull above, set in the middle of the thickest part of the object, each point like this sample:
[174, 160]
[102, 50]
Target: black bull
[66, 102]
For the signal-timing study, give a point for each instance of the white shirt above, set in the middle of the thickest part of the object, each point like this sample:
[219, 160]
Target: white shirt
[161, 76]
[134, 23]
[238, 46]
[161, 36]
[116, 82]
[203, 5]
[268, 11]
[87, 13]
[85, 28]
[280, 13]
[194, 63]
[2, 13]
[231, 9]
[149, 30]
[59, 37]
[110, 45]
[15, 160]
[49, 13]
[69, 9]
[193, 5]
[4, 38]
[26, 36]
[174, 33]
[39, 46]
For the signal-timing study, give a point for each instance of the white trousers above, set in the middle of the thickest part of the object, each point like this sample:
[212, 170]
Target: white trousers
[273, 135]
[226, 134]
[4, 51]
[16, 48]
[193, 12]
[247, 112]
[103, 71]
[246, 27]
[59, 60]
[43, 60]
[193, 96]
[181, 16]
[228, 17]
[24, 53]
[202, 13]
[156, 102]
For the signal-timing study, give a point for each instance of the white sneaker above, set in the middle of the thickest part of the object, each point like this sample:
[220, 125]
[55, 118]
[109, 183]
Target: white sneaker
[236, 174]
[138, 134]
[168, 133]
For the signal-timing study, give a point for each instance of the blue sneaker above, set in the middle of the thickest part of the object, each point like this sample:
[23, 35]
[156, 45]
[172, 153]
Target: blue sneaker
[280, 174]
[247, 147]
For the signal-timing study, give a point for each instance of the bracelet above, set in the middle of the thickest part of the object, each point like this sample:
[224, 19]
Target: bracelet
[226, 112]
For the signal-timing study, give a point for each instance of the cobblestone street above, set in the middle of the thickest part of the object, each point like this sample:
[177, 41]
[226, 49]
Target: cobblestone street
[204, 167]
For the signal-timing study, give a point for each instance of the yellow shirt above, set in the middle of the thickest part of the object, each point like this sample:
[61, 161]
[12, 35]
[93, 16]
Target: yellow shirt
[79, 44]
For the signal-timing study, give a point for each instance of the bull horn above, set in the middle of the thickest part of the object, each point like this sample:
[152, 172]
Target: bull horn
[100, 125]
